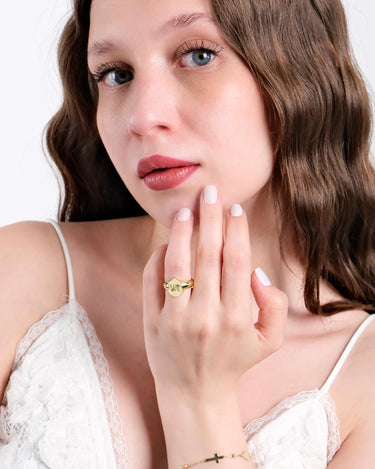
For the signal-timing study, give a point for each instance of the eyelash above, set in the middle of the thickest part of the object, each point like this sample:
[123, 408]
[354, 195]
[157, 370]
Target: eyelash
[197, 46]
[103, 70]
[186, 48]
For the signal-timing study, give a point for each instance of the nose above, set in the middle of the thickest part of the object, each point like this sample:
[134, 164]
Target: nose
[153, 105]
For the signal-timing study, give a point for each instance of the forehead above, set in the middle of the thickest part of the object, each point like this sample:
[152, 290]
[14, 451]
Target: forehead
[146, 16]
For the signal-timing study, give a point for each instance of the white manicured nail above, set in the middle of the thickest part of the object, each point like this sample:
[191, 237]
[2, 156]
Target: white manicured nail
[264, 280]
[236, 210]
[184, 214]
[210, 195]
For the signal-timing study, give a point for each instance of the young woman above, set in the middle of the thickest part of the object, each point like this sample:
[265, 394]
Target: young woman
[151, 337]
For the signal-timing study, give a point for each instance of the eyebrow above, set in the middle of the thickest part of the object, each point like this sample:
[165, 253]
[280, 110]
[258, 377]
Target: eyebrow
[183, 20]
[180, 21]
[100, 47]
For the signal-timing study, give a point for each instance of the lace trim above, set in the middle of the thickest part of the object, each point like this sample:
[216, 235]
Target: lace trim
[333, 443]
[36, 330]
[106, 384]
[100, 363]
[110, 403]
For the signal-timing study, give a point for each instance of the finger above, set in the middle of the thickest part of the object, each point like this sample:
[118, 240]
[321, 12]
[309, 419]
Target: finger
[153, 292]
[178, 256]
[236, 281]
[273, 311]
[208, 260]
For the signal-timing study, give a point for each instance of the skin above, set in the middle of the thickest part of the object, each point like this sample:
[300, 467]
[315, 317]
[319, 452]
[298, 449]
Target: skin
[164, 109]
[216, 349]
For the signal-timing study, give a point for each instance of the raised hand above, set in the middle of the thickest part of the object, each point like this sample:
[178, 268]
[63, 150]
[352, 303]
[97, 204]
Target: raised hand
[200, 343]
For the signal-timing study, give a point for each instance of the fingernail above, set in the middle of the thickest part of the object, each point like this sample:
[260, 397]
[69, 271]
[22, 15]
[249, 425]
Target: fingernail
[210, 195]
[236, 210]
[264, 280]
[184, 214]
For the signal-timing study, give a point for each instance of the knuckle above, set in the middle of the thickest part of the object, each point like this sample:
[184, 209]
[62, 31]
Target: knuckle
[237, 260]
[202, 331]
[208, 255]
[173, 329]
[175, 266]
[236, 323]
[279, 302]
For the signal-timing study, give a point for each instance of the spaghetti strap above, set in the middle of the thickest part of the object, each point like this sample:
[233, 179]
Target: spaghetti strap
[341, 361]
[68, 262]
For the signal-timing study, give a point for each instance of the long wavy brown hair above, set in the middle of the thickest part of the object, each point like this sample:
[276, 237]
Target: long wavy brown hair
[319, 117]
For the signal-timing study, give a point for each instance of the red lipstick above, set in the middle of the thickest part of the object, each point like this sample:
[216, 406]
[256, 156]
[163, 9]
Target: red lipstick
[162, 172]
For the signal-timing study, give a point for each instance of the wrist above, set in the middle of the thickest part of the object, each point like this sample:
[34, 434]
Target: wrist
[200, 425]
[215, 420]
[200, 400]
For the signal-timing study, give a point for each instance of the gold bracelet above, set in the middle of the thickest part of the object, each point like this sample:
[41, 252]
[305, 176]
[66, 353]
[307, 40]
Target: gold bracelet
[245, 455]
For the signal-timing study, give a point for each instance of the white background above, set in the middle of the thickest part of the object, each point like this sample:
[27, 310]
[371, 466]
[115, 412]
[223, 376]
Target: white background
[30, 93]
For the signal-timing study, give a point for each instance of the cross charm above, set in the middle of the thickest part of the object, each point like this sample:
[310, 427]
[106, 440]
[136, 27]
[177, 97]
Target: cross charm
[215, 458]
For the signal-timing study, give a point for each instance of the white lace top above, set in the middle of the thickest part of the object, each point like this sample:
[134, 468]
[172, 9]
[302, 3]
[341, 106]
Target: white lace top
[60, 412]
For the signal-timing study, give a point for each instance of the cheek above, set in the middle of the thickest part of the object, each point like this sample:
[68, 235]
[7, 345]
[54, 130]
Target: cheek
[245, 99]
[235, 103]
[110, 129]
[102, 122]
[246, 136]
[241, 119]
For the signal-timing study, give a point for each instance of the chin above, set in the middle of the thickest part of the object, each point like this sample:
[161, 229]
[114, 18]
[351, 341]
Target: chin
[163, 207]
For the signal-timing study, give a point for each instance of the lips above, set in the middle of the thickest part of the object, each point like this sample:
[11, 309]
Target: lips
[162, 172]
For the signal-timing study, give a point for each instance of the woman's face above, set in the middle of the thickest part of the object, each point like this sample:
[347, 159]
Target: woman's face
[178, 109]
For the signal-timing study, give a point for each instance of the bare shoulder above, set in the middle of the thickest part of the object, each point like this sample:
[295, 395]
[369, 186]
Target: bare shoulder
[31, 266]
[361, 366]
[362, 360]
[32, 282]
[357, 399]
[355, 385]
[33, 275]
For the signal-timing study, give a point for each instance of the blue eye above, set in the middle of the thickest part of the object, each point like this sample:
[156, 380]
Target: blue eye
[117, 77]
[113, 75]
[197, 58]
[197, 53]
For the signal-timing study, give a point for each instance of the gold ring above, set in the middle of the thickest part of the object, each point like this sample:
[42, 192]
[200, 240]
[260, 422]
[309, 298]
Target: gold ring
[176, 287]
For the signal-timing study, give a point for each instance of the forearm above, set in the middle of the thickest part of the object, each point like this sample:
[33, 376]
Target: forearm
[198, 430]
